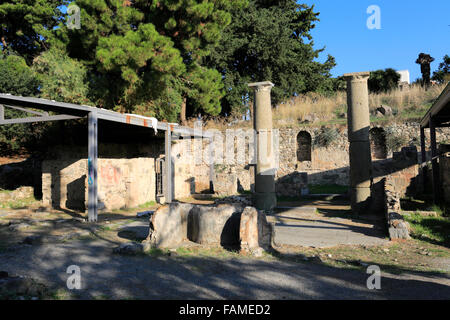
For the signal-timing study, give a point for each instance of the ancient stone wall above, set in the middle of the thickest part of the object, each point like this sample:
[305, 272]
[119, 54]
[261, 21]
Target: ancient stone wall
[122, 183]
[126, 175]
[330, 164]
[444, 166]
[318, 161]
[307, 155]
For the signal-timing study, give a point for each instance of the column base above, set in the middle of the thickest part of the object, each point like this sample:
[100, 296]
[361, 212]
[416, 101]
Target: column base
[265, 201]
[360, 201]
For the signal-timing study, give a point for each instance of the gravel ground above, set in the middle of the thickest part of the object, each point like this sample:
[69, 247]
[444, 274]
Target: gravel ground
[106, 275]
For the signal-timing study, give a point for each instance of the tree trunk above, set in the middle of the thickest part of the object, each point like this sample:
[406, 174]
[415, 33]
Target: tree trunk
[183, 112]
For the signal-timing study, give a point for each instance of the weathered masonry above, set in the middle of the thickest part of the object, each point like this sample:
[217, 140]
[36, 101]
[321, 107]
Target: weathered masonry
[90, 165]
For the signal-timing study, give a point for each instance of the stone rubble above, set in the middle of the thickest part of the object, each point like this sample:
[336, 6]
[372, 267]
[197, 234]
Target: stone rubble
[246, 201]
[19, 287]
[398, 228]
[384, 110]
[255, 233]
[131, 248]
[19, 193]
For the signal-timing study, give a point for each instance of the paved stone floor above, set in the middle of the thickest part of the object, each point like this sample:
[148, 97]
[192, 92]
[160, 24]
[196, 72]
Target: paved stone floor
[324, 224]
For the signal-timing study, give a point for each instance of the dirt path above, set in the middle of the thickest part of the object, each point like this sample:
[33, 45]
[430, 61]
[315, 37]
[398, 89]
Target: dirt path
[304, 226]
[106, 275]
[198, 275]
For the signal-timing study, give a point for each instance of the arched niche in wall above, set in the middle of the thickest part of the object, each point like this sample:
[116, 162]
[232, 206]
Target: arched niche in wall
[303, 146]
[378, 143]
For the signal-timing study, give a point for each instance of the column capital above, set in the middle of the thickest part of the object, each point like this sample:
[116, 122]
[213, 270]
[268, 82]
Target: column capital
[261, 86]
[355, 76]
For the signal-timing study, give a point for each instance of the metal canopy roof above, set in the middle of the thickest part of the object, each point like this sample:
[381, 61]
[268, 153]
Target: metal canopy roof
[73, 111]
[67, 111]
[440, 111]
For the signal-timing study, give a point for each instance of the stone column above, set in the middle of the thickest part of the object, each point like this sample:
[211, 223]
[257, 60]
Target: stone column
[264, 197]
[358, 136]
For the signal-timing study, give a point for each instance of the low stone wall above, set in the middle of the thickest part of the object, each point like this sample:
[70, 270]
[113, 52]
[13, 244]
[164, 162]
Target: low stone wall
[122, 183]
[19, 193]
[226, 225]
[17, 173]
[126, 175]
[398, 228]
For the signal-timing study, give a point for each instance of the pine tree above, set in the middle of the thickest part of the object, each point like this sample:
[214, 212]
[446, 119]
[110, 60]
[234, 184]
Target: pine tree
[269, 40]
[27, 25]
[148, 56]
[17, 78]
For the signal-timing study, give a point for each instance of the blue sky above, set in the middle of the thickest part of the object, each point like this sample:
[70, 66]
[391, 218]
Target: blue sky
[408, 27]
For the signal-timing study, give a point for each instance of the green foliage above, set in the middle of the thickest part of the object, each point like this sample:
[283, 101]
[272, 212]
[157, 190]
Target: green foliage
[18, 203]
[269, 41]
[383, 80]
[339, 84]
[325, 137]
[442, 74]
[18, 79]
[61, 78]
[395, 141]
[206, 90]
[26, 25]
[145, 61]
[432, 229]
[148, 56]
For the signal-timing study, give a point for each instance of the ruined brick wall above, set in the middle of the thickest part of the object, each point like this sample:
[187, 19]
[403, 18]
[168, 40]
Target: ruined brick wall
[330, 165]
[122, 183]
[126, 175]
[192, 175]
[405, 171]
[327, 165]
[397, 227]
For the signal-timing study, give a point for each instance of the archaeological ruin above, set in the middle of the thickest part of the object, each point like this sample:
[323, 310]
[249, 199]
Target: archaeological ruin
[133, 160]
[358, 137]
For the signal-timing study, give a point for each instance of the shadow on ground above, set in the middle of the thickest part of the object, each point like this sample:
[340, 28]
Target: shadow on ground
[185, 277]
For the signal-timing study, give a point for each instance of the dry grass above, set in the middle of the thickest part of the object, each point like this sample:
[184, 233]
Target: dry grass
[404, 100]
[326, 108]
[407, 104]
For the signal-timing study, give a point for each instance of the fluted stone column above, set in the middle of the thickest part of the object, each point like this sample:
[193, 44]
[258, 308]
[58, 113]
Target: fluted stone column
[264, 197]
[358, 136]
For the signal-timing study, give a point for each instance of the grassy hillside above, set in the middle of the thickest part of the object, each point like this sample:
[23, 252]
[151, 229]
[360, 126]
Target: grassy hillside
[317, 110]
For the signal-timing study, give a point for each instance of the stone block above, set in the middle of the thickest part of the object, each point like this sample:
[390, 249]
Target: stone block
[122, 183]
[218, 225]
[254, 231]
[168, 225]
